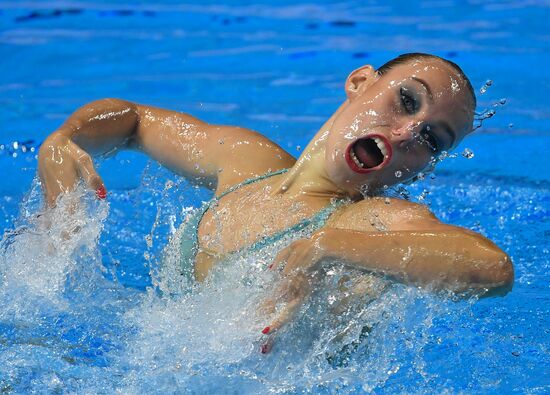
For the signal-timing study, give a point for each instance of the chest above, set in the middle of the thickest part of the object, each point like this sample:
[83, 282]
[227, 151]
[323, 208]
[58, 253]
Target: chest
[249, 214]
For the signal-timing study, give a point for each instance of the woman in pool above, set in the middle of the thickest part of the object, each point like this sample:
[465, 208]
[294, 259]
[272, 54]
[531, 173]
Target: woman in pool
[394, 123]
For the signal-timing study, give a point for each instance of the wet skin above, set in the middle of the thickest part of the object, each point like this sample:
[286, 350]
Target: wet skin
[415, 111]
[409, 109]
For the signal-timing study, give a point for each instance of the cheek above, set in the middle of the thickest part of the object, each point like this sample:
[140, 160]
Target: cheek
[410, 163]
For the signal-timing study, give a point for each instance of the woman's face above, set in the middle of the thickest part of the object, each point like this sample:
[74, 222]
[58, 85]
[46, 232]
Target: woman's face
[393, 125]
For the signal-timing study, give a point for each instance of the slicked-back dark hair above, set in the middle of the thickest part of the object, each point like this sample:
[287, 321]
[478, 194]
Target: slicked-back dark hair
[410, 57]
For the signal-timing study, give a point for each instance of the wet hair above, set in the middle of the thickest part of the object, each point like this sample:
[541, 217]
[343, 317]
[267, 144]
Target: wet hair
[410, 57]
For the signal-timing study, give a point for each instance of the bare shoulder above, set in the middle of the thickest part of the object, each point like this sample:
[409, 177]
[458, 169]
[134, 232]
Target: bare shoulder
[383, 214]
[247, 153]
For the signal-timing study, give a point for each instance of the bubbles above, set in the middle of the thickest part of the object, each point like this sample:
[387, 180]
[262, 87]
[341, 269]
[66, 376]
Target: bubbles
[423, 195]
[467, 153]
[18, 148]
[364, 189]
[485, 86]
[398, 173]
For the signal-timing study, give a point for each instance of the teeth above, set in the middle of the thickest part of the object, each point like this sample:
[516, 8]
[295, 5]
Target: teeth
[381, 145]
[357, 161]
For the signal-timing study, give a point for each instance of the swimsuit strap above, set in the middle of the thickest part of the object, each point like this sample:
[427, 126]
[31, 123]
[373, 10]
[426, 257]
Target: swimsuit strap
[250, 181]
[216, 199]
[317, 220]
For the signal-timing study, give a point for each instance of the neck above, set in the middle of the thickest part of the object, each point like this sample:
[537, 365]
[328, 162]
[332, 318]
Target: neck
[308, 176]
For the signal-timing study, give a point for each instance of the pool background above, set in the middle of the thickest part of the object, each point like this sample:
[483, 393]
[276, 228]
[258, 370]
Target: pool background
[279, 68]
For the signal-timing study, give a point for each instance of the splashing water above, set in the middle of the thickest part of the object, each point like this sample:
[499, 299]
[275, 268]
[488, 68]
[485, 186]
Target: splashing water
[485, 86]
[72, 322]
[468, 153]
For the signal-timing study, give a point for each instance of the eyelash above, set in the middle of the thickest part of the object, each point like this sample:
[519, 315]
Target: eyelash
[409, 103]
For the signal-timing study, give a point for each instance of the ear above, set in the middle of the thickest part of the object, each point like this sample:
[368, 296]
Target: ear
[359, 80]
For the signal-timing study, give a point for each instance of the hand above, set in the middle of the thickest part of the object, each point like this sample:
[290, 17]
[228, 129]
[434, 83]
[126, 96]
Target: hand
[299, 259]
[61, 164]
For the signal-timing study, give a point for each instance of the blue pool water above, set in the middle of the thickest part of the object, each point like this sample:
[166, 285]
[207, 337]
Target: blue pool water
[91, 315]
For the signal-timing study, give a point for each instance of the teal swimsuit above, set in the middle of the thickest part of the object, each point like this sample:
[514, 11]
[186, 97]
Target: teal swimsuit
[189, 241]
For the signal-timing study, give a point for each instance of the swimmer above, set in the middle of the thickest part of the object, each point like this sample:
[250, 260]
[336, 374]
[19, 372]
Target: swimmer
[394, 124]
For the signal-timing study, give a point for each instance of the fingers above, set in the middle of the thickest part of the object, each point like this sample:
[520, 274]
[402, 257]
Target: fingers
[303, 256]
[294, 256]
[61, 163]
[284, 316]
[90, 176]
[295, 290]
[281, 258]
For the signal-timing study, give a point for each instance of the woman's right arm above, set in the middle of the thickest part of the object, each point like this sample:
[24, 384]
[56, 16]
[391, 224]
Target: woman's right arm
[182, 143]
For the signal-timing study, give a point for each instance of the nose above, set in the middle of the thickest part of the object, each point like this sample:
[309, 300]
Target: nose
[404, 132]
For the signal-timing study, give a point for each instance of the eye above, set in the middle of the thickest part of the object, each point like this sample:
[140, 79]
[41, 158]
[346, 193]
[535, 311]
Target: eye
[409, 103]
[430, 139]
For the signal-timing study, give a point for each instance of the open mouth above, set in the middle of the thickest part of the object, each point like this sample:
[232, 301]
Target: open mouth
[368, 154]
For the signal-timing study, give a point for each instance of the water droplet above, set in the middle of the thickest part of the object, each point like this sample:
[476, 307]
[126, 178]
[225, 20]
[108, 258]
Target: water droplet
[15, 145]
[385, 187]
[221, 141]
[420, 176]
[398, 173]
[432, 176]
[298, 148]
[468, 153]
[502, 101]
[510, 125]
[423, 195]
[487, 84]
[387, 200]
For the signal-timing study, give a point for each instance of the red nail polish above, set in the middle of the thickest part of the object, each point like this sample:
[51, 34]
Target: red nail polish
[270, 266]
[264, 349]
[101, 192]
[265, 331]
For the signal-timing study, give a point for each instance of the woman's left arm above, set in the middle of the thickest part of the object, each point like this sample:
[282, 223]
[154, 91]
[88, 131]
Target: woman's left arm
[414, 247]
[452, 258]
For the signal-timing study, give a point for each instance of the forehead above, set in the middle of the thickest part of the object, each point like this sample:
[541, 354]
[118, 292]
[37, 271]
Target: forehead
[442, 78]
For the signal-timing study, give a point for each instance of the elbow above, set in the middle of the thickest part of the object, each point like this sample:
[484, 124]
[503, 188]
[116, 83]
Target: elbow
[496, 276]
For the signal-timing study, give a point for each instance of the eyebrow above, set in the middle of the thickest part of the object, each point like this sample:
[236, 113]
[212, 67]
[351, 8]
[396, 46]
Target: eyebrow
[426, 86]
